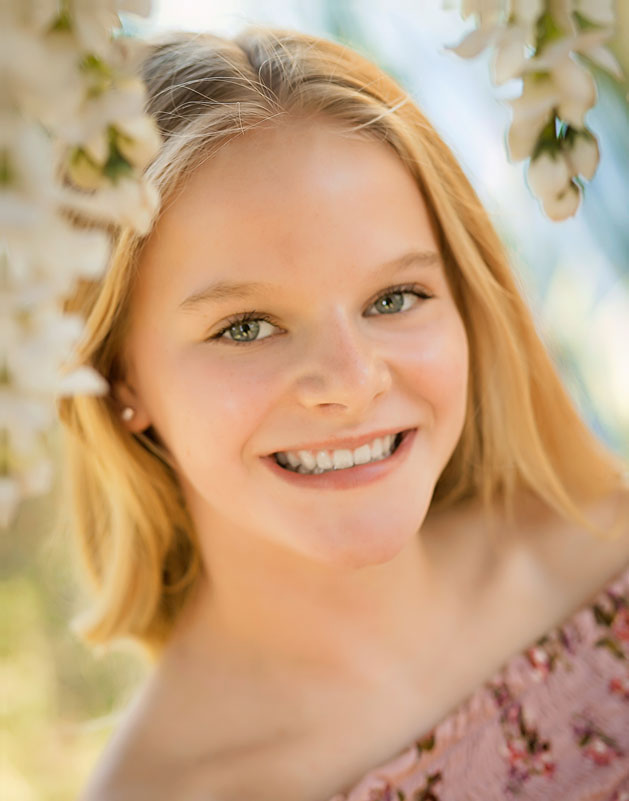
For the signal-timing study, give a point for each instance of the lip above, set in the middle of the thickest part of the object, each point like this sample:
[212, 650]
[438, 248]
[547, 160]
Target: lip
[348, 478]
[349, 443]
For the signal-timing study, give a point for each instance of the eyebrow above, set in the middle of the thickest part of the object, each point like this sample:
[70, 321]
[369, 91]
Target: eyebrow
[227, 290]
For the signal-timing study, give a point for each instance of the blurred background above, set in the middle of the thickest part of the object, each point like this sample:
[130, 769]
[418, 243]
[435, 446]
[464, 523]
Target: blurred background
[62, 700]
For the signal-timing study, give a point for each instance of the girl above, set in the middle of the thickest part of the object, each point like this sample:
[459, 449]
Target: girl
[337, 489]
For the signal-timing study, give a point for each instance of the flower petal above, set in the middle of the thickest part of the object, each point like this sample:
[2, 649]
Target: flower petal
[522, 137]
[142, 8]
[577, 91]
[140, 139]
[563, 206]
[606, 60]
[82, 381]
[509, 55]
[548, 174]
[527, 11]
[598, 11]
[583, 156]
[483, 8]
[475, 42]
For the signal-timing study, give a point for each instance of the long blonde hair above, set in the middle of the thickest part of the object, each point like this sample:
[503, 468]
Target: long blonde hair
[123, 501]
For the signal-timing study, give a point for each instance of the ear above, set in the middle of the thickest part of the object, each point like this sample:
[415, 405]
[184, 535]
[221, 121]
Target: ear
[124, 396]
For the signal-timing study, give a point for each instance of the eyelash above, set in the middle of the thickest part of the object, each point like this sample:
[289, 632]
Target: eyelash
[244, 317]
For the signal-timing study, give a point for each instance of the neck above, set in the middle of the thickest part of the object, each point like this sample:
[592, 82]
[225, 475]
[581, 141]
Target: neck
[266, 605]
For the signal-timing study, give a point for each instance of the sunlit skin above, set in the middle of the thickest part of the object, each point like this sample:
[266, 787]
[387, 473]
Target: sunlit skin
[337, 579]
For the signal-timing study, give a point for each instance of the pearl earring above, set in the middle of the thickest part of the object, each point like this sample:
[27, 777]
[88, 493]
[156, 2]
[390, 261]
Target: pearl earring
[127, 413]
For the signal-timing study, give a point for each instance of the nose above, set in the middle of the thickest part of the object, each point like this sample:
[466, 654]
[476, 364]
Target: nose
[343, 368]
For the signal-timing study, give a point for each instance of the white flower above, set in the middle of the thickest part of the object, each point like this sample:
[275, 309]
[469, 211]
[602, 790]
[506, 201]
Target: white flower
[555, 85]
[564, 205]
[568, 88]
[549, 174]
[67, 91]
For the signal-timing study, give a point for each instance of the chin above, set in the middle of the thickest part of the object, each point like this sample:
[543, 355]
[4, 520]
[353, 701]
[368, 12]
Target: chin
[347, 552]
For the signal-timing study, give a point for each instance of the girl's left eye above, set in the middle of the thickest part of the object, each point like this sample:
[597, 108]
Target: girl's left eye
[248, 323]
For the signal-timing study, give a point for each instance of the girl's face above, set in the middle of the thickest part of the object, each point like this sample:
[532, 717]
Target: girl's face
[349, 337]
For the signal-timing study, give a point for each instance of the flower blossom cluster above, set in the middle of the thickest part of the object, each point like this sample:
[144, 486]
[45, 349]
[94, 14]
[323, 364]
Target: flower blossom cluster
[74, 140]
[538, 41]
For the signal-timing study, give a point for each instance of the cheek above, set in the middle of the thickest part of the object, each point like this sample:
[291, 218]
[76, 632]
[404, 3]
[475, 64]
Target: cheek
[438, 364]
[208, 407]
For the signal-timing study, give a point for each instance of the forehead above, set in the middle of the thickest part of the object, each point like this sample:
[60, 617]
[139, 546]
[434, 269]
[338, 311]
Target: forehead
[297, 196]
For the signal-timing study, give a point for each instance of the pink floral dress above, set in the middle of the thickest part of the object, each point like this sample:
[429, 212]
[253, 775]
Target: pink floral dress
[551, 725]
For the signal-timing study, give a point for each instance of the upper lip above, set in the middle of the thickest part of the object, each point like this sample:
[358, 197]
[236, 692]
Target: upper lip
[349, 443]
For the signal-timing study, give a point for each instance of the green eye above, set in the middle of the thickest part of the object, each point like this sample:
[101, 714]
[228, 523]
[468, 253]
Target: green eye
[245, 327]
[390, 306]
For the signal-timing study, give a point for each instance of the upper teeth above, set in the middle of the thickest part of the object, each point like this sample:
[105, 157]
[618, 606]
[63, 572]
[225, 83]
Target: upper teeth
[320, 461]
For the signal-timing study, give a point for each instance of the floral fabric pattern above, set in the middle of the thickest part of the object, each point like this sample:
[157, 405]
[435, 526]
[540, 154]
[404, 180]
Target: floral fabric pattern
[551, 725]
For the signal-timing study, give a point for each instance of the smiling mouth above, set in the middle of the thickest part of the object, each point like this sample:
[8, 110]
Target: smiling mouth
[285, 465]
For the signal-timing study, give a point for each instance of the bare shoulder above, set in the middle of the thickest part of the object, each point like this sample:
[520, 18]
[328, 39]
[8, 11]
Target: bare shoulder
[603, 554]
[575, 562]
[167, 744]
[127, 769]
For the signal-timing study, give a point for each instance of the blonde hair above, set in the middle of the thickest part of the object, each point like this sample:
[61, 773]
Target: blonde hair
[123, 501]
